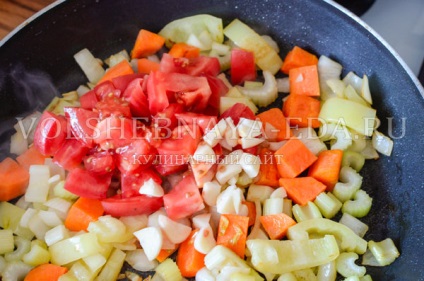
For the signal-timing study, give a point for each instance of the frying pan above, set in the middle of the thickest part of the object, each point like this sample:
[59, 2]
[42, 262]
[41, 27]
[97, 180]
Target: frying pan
[36, 63]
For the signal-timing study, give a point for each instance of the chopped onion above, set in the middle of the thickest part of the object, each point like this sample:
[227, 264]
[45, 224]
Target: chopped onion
[38, 187]
[89, 65]
[382, 143]
[56, 234]
[150, 239]
[139, 261]
[201, 220]
[18, 143]
[176, 232]
[327, 69]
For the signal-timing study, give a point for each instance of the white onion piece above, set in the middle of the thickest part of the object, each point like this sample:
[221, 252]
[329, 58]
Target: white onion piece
[327, 69]
[18, 143]
[176, 232]
[56, 234]
[82, 89]
[26, 217]
[210, 192]
[216, 134]
[38, 227]
[274, 146]
[204, 241]
[354, 80]
[271, 133]
[250, 142]
[382, 143]
[204, 153]
[139, 261]
[248, 128]
[154, 218]
[259, 192]
[250, 164]
[279, 193]
[134, 223]
[50, 218]
[151, 188]
[150, 239]
[117, 58]
[89, 65]
[201, 220]
[337, 86]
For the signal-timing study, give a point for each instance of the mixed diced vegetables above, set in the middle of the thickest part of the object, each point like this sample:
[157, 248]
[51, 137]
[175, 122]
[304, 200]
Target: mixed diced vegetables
[161, 154]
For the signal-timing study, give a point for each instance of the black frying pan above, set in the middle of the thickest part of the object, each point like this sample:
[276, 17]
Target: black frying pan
[42, 52]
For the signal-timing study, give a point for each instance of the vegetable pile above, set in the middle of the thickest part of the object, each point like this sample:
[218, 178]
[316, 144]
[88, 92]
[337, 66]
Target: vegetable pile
[162, 154]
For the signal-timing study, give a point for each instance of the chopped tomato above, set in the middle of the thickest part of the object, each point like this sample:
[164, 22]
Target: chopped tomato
[131, 182]
[138, 155]
[201, 65]
[184, 199]
[114, 132]
[70, 155]
[50, 133]
[82, 123]
[156, 92]
[113, 106]
[137, 98]
[106, 88]
[88, 100]
[205, 122]
[86, 184]
[122, 82]
[99, 162]
[243, 66]
[238, 111]
[137, 205]
[174, 152]
[218, 89]
[166, 121]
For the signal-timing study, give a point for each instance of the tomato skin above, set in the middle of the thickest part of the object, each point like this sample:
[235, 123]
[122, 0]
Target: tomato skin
[82, 123]
[131, 182]
[88, 100]
[238, 111]
[99, 162]
[137, 205]
[243, 66]
[138, 155]
[166, 121]
[218, 89]
[205, 122]
[122, 82]
[106, 88]
[184, 199]
[50, 133]
[86, 184]
[201, 65]
[70, 155]
[137, 98]
[114, 132]
[173, 153]
[156, 92]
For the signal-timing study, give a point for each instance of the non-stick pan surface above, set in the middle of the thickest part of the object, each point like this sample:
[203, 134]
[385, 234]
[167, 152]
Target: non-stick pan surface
[37, 62]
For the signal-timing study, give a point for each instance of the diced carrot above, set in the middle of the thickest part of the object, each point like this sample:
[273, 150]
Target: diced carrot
[302, 190]
[180, 50]
[251, 207]
[298, 57]
[189, 260]
[276, 225]
[164, 254]
[268, 171]
[146, 44]
[275, 117]
[293, 158]
[30, 157]
[302, 111]
[120, 69]
[304, 81]
[82, 212]
[46, 272]
[327, 167]
[232, 233]
[147, 66]
[13, 179]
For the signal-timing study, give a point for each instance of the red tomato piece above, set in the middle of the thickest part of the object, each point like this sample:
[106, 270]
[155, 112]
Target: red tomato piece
[113, 106]
[82, 123]
[218, 89]
[238, 111]
[122, 82]
[137, 205]
[173, 153]
[205, 122]
[50, 133]
[99, 162]
[243, 66]
[88, 100]
[114, 132]
[86, 184]
[137, 98]
[201, 65]
[166, 120]
[138, 155]
[131, 182]
[156, 92]
[184, 199]
[106, 88]
[70, 155]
